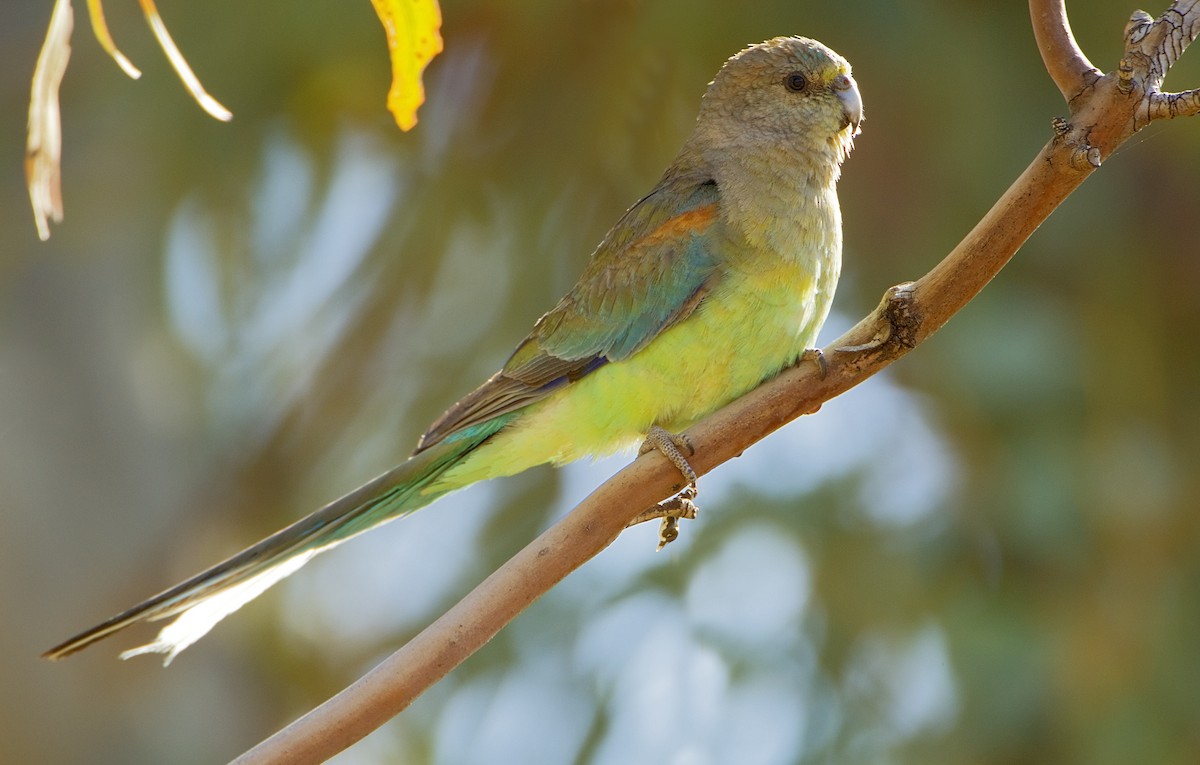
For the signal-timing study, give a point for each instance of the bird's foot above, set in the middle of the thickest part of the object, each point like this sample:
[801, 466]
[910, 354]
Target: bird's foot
[670, 511]
[672, 446]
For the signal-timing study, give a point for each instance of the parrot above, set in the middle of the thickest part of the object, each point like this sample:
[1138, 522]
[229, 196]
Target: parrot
[713, 282]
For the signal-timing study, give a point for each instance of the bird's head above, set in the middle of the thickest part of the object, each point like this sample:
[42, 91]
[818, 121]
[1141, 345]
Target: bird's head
[787, 93]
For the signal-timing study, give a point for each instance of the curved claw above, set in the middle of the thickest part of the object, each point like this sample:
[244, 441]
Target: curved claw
[670, 511]
[816, 356]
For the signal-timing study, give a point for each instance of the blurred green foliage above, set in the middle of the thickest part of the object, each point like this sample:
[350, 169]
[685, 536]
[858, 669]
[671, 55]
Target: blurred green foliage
[987, 555]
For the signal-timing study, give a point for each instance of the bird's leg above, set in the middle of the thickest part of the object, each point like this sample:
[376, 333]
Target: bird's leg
[671, 446]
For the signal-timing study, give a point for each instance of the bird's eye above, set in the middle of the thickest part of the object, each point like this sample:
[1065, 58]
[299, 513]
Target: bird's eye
[796, 82]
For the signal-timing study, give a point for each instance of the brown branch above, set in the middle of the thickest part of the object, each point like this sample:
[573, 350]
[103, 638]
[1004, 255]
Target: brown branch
[1160, 42]
[1154, 45]
[1105, 112]
[1066, 63]
[1170, 105]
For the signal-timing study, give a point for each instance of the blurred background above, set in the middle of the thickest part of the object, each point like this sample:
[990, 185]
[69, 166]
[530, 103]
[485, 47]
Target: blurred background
[989, 554]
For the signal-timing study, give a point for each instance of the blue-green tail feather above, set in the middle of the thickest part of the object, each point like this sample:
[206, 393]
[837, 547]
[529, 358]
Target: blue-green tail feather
[397, 492]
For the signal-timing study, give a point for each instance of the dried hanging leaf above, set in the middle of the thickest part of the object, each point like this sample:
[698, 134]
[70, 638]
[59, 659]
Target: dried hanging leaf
[43, 147]
[190, 80]
[100, 28]
[413, 38]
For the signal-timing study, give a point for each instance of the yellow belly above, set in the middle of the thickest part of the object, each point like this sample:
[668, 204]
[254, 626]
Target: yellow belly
[745, 332]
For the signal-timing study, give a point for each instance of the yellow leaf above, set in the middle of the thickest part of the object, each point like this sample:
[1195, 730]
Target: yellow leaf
[413, 38]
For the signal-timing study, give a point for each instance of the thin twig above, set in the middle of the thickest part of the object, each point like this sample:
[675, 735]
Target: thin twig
[1066, 63]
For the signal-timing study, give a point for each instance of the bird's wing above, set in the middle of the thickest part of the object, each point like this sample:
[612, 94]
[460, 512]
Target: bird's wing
[651, 271]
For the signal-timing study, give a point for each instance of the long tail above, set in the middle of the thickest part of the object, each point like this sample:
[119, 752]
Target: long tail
[208, 597]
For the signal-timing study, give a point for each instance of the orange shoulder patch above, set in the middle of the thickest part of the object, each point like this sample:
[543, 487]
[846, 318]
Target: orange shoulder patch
[692, 222]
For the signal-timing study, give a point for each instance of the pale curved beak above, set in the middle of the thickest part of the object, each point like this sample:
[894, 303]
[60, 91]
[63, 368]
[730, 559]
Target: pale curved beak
[847, 92]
